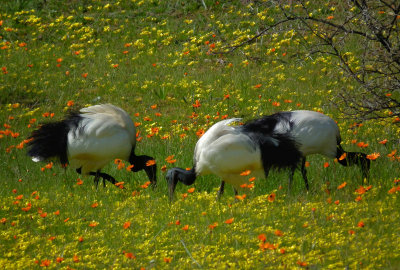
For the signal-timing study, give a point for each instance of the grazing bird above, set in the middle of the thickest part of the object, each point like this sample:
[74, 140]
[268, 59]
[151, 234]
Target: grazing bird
[281, 140]
[89, 139]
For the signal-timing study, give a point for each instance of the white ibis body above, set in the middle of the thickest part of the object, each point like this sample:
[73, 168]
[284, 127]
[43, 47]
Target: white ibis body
[280, 140]
[90, 139]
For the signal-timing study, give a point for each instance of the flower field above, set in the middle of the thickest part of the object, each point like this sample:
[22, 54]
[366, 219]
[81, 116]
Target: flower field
[165, 63]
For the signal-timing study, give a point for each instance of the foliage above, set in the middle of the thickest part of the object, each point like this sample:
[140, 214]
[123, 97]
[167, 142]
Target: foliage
[362, 37]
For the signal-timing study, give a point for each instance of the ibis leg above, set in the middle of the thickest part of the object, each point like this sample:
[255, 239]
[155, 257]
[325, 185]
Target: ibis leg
[304, 172]
[105, 176]
[221, 190]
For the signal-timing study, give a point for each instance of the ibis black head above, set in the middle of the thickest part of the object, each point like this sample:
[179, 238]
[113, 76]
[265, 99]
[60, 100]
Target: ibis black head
[177, 174]
[147, 164]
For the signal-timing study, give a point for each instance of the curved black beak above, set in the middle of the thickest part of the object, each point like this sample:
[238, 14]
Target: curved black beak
[172, 181]
[151, 172]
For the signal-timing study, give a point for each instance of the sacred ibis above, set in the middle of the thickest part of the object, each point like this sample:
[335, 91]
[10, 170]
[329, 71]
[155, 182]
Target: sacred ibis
[89, 139]
[280, 140]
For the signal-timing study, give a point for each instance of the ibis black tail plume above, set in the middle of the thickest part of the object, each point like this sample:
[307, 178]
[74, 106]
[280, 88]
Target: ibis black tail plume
[278, 150]
[50, 139]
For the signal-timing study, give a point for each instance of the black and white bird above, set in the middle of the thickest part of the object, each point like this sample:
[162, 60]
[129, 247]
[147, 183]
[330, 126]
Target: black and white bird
[280, 140]
[89, 139]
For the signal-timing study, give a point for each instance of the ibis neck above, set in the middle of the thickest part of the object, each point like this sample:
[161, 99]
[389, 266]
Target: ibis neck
[186, 176]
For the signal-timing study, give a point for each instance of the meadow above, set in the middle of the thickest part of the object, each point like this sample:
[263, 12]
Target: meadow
[160, 61]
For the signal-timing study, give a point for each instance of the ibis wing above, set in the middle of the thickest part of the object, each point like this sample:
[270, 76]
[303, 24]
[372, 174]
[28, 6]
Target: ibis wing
[228, 156]
[315, 133]
[219, 129]
[97, 141]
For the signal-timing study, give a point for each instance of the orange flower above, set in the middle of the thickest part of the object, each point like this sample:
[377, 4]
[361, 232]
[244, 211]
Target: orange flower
[185, 228]
[3, 220]
[240, 197]
[80, 239]
[257, 86]
[70, 103]
[361, 190]
[167, 260]
[262, 237]
[212, 226]
[196, 104]
[127, 225]
[302, 264]
[383, 141]
[358, 198]
[342, 185]
[145, 185]
[93, 224]
[75, 258]
[278, 233]
[329, 200]
[94, 205]
[373, 156]
[343, 156]
[65, 220]
[120, 184]
[247, 172]
[351, 232]
[229, 221]
[362, 144]
[130, 255]
[391, 155]
[129, 168]
[329, 17]
[59, 259]
[200, 132]
[150, 162]
[45, 263]
[170, 159]
[79, 182]
[264, 246]
[326, 164]
[27, 208]
[276, 104]
[120, 165]
[271, 197]
[49, 165]
[191, 190]
[360, 224]
[392, 190]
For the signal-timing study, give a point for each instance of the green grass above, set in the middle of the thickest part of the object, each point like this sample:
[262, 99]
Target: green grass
[142, 53]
